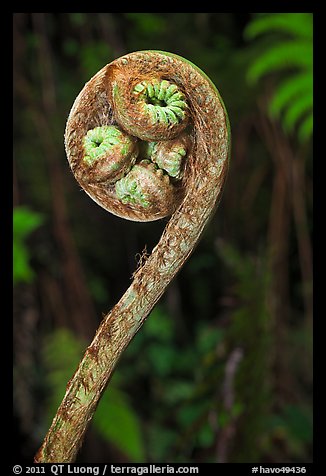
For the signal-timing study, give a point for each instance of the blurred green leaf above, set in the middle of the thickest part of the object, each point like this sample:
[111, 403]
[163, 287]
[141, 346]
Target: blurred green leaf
[159, 325]
[289, 89]
[206, 436]
[295, 111]
[94, 56]
[22, 272]
[298, 422]
[162, 358]
[70, 46]
[161, 440]
[306, 128]
[188, 414]
[117, 422]
[237, 409]
[148, 23]
[98, 289]
[223, 418]
[25, 221]
[208, 338]
[293, 425]
[279, 56]
[78, 18]
[289, 52]
[298, 24]
[243, 267]
[61, 352]
[179, 390]
[186, 360]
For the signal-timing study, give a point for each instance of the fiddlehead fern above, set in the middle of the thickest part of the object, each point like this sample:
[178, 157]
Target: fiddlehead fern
[172, 160]
[109, 153]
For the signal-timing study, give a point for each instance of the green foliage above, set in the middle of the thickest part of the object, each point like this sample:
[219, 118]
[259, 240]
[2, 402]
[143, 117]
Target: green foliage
[293, 427]
[249, 330]
[289, 53]
[114, 419]
[297, 24]
[260, 424]
[25, 221]
[78, 19]
[298, 421]
[182, 380]
[61, 352]
[147, 23]
[94, 56]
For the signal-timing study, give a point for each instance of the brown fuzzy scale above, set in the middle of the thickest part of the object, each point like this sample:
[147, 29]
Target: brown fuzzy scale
[204, 177]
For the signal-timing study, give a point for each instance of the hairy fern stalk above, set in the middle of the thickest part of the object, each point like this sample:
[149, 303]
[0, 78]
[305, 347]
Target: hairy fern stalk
[147, 137]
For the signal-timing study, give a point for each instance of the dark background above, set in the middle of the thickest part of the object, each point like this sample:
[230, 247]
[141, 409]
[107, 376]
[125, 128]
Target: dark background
[222, 369]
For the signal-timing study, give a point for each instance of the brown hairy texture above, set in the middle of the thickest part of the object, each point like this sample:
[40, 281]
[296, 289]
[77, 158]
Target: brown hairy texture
[93, 107]
[125, 74]
[200, 191]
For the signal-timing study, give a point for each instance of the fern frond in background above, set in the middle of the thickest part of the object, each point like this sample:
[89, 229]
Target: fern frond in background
[289, 52]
